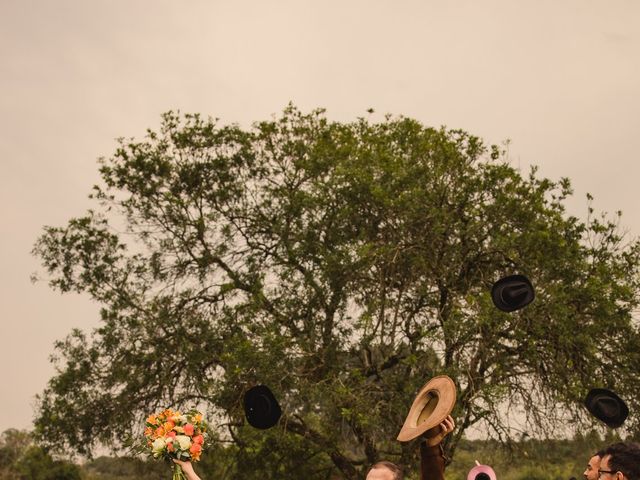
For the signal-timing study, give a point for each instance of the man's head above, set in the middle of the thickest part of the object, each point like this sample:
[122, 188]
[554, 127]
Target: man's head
[385, 471]
[621, 461]
[591, 472]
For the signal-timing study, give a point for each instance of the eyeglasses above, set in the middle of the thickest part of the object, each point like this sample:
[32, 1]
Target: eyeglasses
[611, 472]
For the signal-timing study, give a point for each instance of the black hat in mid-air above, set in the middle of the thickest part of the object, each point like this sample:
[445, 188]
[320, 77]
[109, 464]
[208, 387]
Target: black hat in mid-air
[261, 407]
[605, 405]
[512, 293]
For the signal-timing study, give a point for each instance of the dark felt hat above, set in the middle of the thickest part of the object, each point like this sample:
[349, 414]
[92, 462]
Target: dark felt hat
[261, 407]
[512, 293]
[606, 406]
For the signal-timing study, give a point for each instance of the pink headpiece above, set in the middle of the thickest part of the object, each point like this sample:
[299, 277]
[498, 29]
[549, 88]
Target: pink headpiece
[484, 471]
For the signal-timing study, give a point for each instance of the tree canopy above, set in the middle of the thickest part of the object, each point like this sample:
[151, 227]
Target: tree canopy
[343, 265]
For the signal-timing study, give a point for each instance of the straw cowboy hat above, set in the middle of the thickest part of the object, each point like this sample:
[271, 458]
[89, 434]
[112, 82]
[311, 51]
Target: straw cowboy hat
[605, 405]
[512, 293]
[431, 406]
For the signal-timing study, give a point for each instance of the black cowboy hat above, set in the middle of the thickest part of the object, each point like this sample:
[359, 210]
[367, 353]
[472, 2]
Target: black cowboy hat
[606, 406]
[261, 407]
[512, 293]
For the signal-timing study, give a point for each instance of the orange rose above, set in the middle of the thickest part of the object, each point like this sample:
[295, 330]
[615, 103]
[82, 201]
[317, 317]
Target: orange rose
[188, 429]
[159, 432]
[195, 448]
[170, 446]
[168, 426]
[171, 434]
[198, 439]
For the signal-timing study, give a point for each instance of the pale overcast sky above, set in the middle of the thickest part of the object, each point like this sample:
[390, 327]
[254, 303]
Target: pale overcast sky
[561, 79]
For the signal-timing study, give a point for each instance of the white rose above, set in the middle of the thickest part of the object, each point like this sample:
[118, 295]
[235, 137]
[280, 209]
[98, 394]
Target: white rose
[184, 442]
[158, 446]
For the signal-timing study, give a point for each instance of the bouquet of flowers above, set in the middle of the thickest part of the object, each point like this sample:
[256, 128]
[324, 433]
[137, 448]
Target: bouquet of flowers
[174, 435]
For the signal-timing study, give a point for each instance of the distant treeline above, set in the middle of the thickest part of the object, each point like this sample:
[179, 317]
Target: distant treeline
[528, 459]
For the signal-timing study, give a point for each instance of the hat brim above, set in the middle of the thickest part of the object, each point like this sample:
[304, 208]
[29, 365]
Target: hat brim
[445, 390]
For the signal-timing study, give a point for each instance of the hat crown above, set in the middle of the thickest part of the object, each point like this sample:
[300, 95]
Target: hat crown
[260, 404]
[606, 406]
[432, 399]
[514, 294]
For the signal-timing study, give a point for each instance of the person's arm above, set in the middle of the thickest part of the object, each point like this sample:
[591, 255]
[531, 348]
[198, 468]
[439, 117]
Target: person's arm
[432, 454]
[188, 470]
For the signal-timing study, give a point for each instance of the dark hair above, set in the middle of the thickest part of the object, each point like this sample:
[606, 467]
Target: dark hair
[625, 458]
[599, 453]
[395, 469]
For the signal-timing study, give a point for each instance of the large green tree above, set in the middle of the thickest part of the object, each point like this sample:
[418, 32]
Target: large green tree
[343, 265]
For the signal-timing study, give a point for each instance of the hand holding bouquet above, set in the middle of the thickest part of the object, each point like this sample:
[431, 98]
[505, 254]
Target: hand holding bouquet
[173, 435]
